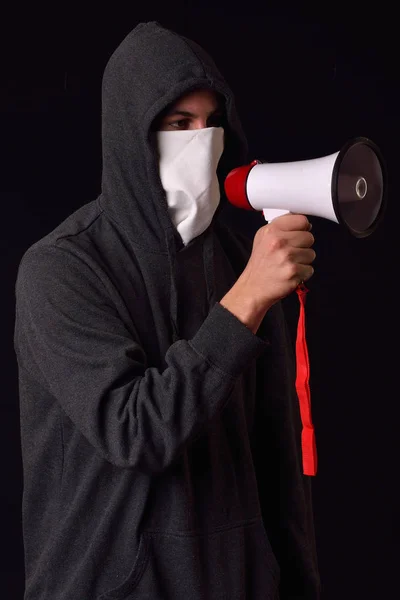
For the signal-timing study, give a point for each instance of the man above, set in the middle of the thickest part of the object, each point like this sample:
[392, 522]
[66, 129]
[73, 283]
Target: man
[159, 421]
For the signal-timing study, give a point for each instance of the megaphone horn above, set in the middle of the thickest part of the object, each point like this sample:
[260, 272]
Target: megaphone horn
[348, 187]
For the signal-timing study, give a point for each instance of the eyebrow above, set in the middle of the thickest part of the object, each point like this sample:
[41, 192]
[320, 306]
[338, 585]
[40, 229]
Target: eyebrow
[184, 113]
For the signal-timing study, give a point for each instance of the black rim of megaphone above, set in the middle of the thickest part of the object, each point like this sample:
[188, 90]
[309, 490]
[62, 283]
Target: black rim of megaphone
[335, 180]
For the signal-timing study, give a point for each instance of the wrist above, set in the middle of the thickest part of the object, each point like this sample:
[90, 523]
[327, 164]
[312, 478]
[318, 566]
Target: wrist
[244, 306]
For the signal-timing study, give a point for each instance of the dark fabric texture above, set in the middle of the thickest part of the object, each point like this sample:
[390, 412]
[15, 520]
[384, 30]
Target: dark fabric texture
[160, 437]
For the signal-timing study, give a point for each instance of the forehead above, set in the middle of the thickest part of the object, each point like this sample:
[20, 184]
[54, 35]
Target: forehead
[197, 101]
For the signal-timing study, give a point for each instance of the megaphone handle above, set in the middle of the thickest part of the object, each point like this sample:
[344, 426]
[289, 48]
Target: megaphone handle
[272, 213]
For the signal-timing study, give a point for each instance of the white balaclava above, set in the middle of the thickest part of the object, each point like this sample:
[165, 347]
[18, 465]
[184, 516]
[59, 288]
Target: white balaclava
[188, 172]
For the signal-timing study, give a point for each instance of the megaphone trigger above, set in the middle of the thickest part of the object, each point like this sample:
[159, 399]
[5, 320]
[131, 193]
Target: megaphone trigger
[271, 213]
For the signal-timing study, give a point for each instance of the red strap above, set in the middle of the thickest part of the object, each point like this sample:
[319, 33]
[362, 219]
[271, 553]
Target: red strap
[308, 443]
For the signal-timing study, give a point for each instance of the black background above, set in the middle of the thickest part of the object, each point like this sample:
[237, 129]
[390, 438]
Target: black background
[306, 81]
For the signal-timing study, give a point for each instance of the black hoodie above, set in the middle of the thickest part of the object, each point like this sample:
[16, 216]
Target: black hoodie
[160, 437]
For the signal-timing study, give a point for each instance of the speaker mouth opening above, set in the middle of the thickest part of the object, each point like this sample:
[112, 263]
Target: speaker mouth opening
[359, 187]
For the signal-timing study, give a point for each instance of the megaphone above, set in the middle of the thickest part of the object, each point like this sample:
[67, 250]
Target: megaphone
[348, 187]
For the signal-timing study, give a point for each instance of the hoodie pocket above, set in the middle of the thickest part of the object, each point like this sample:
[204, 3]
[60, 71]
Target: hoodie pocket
[228, 564]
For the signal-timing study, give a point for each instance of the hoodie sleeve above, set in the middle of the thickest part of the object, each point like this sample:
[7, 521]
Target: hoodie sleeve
[71, 339]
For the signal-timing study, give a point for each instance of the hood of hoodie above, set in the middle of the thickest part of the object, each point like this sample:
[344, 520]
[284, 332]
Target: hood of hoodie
[149, 70]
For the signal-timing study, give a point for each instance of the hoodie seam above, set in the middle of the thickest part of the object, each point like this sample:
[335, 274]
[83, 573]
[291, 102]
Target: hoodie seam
[257, 519]
[211, 363]
[82, 230]
[182, 38]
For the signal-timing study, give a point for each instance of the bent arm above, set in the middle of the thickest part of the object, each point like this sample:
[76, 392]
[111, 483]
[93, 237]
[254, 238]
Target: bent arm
[69, 336]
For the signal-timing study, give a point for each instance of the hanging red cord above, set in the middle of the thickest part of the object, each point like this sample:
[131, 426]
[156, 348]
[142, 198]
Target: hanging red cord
[308, 443]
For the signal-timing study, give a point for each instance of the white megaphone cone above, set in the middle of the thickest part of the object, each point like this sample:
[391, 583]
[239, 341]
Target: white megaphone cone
[347, 187]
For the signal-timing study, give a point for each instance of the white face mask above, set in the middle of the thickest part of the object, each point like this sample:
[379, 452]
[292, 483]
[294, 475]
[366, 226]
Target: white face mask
[188, 171]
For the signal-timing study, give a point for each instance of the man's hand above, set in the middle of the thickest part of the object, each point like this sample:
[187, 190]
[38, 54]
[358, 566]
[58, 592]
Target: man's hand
[281, 258]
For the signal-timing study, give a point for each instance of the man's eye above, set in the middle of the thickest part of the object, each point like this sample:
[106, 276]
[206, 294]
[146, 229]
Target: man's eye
[181, 124]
